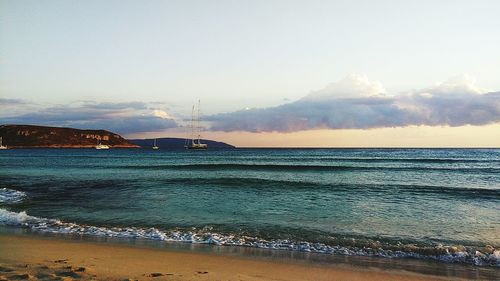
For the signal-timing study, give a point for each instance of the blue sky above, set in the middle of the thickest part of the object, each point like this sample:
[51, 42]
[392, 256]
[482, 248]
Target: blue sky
[233, 54]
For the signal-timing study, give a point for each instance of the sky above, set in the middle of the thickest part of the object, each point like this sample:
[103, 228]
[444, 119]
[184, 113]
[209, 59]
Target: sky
[268, 73]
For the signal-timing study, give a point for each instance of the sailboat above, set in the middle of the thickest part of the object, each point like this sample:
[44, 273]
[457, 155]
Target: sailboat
[194, 141]
[1, 144]
[154, 145]
[101, 146]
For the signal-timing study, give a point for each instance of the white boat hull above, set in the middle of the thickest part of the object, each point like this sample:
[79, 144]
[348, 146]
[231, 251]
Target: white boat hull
[102, 146]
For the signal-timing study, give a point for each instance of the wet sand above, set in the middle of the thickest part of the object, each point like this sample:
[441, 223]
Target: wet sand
[38, 258]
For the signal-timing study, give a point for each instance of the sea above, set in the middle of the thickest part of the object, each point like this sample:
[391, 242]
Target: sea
[441, 205]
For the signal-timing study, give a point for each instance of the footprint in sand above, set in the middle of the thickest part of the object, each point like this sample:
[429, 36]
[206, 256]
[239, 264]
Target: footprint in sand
[24, 276]
[79, 269]
[67, 273]
[43, 267]
[157, 274]
[154, 274]
[42, 275]
[5, 269]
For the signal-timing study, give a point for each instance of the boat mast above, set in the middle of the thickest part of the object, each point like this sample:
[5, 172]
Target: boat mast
[198, 123]
[192, 127]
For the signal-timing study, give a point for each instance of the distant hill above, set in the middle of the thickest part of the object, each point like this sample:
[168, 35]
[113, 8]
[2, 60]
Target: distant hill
[177, 143]
[30, 136]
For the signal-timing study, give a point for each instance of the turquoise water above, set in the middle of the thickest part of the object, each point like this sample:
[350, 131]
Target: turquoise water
[441, 204]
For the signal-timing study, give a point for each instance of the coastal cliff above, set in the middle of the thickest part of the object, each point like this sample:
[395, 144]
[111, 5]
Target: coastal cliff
[30, 136]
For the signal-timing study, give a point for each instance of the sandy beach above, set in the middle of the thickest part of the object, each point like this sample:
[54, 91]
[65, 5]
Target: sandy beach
[38, 258]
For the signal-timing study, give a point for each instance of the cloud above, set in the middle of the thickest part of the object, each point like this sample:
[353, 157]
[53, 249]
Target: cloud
[161, 114]
[358, 103]
[115, 105]
[351, 86]
[457, 85]
[7, 102]
[123, 118]
[354, 102]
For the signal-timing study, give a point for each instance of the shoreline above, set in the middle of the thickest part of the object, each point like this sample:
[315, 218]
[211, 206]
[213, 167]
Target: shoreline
[85, 259]
[444, 257]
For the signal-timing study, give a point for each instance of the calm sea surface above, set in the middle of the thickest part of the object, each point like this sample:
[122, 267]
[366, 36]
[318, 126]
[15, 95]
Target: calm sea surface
[441, 204]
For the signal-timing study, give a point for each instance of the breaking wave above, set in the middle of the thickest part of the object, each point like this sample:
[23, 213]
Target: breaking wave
[10, 196]
[484, 256]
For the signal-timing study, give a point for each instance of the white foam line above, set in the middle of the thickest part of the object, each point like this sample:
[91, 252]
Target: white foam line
[22, 219]
[9, 196]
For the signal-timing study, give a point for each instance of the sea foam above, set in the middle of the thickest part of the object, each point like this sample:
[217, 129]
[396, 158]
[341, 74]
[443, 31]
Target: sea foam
[454, 254]
[9, 196]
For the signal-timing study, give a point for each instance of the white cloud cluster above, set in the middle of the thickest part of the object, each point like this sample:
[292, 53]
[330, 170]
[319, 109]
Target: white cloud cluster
[354, 102]
[457, 85]
[161, 114]
[358, 103]
[352, 86]
[121, 117]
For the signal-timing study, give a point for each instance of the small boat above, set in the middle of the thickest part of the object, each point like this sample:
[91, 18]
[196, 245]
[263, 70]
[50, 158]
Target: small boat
[154, 145]
[101, 146]
[194, 141]
[1, 144]
[197, 145]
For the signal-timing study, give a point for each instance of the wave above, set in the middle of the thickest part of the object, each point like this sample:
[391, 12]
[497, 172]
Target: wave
[288, 167]
[240, 182]
[378, 159]
[446, 253]
[10, 196]
[43, 188]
